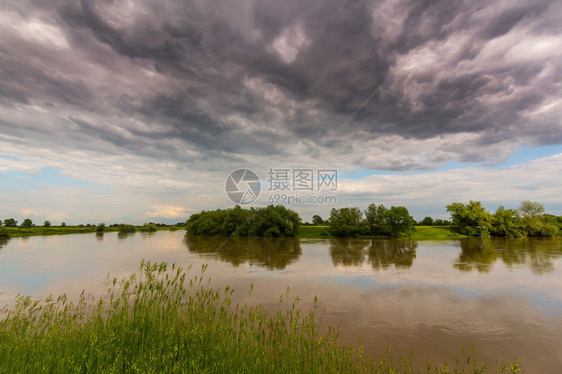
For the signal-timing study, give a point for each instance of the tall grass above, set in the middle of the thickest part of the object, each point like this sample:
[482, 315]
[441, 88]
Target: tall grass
[158, 320]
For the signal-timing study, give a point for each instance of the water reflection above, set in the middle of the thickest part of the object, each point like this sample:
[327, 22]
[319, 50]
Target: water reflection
[99, 236]
[480, 254]
[273, 253]
[400, 253]
[124, 235]
[3, 242]
[380, 254]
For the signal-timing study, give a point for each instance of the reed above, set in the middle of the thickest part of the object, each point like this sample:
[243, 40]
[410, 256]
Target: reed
[159, 320]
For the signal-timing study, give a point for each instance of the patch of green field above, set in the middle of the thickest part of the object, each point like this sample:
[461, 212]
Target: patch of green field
[39, 230]
[417, 233]
[160, 321]
[435, 233]
[312, 232]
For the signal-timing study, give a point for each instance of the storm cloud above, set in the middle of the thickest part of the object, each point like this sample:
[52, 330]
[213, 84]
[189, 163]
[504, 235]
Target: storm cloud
[209, 86]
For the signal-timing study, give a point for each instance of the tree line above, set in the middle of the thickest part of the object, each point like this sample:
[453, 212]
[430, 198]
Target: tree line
[472, 219]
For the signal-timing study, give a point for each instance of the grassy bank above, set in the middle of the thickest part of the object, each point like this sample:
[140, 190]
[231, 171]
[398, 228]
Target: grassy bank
[418, 232]
[39, 230]
[158, 320]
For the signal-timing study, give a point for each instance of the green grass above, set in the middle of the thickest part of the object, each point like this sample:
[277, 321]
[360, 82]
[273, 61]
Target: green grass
[312, 232]
[435, 233]
[418, 232]
[158, 320]
[39, 230]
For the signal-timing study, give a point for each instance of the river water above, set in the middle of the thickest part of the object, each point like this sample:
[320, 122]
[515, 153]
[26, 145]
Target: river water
[502, 296]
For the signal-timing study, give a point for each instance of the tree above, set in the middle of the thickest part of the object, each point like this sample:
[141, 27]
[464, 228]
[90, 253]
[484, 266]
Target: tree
[317, 220]
[47, 224]
[347, 222]
[531, 208]
[375, 216]
[1, 223]
[27, 223]
[427, 221]
[101, 227]
[441, 222]
[399, 220]
[63, 224]
[507, 223]
[10, 222]
[472, 219]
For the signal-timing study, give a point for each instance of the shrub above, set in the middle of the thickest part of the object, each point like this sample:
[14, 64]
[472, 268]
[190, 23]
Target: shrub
[148, 227]
[126, 229]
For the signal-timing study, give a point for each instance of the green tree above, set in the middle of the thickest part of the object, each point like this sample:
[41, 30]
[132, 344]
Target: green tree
[399, 220]
[427, 221]
[1, 222]
[27, 223]
[317, 220]
[531, 208]
[441, 222]
[271, 221]
[63, 224]
[472, 219]
[10, 222]
[507, 223]
[100, 227]
[536, 223]
[376, 218]
[347, 222]
[47, 224]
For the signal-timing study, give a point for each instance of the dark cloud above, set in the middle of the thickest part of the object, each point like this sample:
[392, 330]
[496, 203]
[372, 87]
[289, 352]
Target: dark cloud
[262, 78]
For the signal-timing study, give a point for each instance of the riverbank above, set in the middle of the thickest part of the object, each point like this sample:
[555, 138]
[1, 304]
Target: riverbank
[418, 233]
[15, 232]
[157, 320]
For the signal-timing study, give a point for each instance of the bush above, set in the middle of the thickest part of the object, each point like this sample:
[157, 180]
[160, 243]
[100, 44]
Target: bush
[126, 229]
[148, 227]
[173, 228]
[47, 224]
[101, 227]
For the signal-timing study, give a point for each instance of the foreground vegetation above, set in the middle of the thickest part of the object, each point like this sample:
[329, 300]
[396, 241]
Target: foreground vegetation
[158, 320]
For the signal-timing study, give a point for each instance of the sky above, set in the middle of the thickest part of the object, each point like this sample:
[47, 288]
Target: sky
[137, 111]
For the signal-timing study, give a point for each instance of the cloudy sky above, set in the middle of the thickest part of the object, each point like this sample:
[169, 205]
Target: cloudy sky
[137, 111]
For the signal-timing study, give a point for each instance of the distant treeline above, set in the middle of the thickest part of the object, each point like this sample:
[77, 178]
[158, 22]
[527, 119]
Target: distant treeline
[272, 221]
[378, 221]
[27, 223]
[472, 219]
